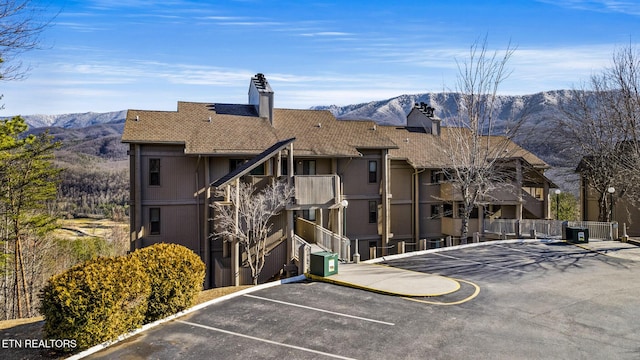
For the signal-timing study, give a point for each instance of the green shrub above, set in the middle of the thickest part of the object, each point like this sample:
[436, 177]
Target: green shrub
[95, 301]
[104, 298]
[176, 274]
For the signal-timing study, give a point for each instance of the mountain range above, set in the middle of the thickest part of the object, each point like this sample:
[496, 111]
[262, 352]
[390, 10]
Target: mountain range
[92, 140]
[98, 133]
[75, 121]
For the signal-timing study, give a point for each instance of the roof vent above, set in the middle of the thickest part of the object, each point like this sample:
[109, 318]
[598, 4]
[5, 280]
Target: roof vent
[137, 118]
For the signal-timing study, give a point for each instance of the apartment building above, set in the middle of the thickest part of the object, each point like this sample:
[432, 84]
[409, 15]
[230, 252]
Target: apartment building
[376, 185]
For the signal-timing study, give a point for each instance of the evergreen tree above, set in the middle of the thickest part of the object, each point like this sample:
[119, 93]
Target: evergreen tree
[28, 180]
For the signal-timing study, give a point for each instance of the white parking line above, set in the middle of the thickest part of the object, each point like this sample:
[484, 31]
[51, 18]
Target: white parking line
[264, 340]
[320, 310]
[479, 263]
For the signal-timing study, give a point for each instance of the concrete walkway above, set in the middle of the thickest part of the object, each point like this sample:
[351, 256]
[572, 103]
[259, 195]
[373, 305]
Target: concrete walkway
[615, 249]
[391, 281]
[394, 281]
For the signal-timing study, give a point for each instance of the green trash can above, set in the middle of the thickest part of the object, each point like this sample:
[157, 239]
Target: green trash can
[324, 263]
[577, 235]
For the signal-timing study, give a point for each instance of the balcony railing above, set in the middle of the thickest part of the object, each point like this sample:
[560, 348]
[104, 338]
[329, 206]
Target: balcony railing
[331, 241]
[316, 190]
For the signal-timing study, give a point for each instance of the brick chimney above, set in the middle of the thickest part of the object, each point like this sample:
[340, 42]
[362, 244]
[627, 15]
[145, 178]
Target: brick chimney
[261, 96]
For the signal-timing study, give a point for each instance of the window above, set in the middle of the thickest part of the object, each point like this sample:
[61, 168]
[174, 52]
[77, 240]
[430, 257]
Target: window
[436, 211]
[373, 212]
[435, 176]
[154, 172]
[447, 210]
[308, 167]
[154, 221]
[235, 163]
[259, 170]
[373, 171]
[473, 215]
[309, 214]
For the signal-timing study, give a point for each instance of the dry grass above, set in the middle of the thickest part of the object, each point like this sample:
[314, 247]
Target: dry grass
[83, 227]
[31, 328]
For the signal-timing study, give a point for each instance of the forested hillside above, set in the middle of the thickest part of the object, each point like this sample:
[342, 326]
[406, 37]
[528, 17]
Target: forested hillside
[94, 180]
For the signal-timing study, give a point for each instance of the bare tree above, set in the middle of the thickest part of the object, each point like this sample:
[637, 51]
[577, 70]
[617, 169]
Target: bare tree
[474, 148]
[21, 23]
[251, 225]
[602, 121]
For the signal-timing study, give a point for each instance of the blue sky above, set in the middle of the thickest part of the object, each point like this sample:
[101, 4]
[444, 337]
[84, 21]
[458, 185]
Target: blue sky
[108, 55]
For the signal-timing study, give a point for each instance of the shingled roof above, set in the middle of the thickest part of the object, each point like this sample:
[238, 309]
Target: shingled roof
[211, 129]
[425, 151]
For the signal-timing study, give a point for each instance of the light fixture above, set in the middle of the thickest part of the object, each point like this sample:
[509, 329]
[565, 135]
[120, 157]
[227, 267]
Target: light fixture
[611, 190]
[557, 191]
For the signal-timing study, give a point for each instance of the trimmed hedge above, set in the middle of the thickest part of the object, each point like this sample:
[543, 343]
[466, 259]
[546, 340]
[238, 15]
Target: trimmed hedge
[104, 298]
[95, 301]
[176, 275]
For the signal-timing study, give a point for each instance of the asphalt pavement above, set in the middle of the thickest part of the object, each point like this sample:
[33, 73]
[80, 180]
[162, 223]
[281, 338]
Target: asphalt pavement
[518, 299]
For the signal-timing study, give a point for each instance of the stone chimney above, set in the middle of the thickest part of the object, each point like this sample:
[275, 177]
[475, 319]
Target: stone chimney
[261, 96]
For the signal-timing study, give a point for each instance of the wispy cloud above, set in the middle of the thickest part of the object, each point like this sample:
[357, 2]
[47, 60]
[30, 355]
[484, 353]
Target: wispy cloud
[327, 33]
[617, 6]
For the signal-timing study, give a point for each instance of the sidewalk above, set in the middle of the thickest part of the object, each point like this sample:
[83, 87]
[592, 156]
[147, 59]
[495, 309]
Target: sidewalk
[391, 281]
[613, 248]
[394, 281]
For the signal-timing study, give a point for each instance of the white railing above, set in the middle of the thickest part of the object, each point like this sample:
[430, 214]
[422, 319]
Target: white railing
[314, 233]
[597, 230]
[548, 228]
[500, 226]
[298, 242]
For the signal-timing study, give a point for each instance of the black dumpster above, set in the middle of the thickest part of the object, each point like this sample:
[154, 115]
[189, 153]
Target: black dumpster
[577, 235]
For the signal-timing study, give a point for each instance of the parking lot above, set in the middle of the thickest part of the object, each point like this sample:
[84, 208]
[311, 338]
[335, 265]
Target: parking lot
[534, 300]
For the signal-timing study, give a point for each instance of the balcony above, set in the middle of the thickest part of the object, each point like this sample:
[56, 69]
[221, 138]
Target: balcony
[316, 191]
[451, 226]
[449, 193]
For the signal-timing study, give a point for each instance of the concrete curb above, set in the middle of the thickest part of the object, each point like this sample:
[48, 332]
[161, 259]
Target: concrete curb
[347, 284]
[104, 345]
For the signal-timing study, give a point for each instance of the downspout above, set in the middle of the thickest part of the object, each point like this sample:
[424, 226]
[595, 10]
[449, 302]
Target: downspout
[415, 197]
[136, 222]
[197, 193]
[385, 202]
[235, 247]
[205, 225]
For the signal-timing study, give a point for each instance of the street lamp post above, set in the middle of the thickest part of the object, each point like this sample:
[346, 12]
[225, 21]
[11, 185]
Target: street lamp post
[345, 204]
[557, 192]
[611, 190]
